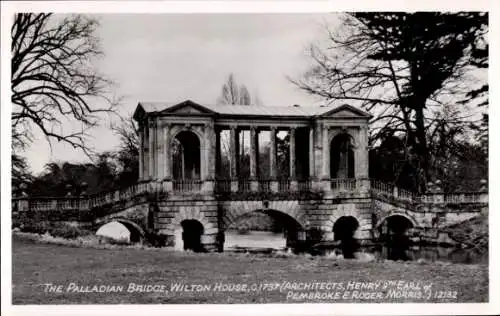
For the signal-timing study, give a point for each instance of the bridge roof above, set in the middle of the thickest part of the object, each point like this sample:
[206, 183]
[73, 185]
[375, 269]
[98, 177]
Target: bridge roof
[244, 110]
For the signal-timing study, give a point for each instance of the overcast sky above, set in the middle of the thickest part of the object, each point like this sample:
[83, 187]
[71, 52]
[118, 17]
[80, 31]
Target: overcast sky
[172, 57]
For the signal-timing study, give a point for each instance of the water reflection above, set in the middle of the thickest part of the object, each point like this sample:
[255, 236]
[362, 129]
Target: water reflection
[433, 253]
[392, 249]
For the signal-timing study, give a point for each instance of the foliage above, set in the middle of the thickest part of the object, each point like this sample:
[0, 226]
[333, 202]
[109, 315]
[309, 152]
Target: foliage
[55, 229]
[405, 68]
[109, 171]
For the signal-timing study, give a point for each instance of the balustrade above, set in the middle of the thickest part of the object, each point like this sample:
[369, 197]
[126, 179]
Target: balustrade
[244, 185]
[265, 185]
[187, 185]
[283, 185]
[381, 187]
[304, 185]
[343, 185]
[223, 186]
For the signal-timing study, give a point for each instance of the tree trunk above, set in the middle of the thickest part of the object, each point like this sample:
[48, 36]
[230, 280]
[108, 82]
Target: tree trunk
[421, 148]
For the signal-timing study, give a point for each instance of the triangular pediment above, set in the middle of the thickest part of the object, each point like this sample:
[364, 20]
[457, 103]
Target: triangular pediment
[187, 108]
[346, 111]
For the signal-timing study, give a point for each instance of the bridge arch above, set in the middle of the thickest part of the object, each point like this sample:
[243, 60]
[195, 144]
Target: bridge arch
[137, 233]
[397, 213]
[235, 210]
[344, 211]
[189, 214]
[287, 213]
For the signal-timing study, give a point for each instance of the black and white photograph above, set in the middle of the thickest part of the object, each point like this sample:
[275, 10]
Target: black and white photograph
[337, 158]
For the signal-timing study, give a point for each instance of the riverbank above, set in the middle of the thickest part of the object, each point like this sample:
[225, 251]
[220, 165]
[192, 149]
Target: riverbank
[35, 265]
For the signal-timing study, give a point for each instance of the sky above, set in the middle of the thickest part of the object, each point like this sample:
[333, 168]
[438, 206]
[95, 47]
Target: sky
[174, 57]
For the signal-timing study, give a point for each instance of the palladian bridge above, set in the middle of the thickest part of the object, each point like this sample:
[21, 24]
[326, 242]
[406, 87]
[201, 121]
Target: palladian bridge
[189, 192]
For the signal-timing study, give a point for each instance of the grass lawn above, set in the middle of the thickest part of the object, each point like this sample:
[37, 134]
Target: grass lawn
[37, 264]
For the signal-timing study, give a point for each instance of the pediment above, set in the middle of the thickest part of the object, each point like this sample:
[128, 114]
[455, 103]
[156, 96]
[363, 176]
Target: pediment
[347, 111]
[187, 108]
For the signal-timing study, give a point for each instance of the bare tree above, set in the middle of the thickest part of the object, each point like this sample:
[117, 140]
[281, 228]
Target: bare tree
[234, 94]
[55, 86]
[403, 67]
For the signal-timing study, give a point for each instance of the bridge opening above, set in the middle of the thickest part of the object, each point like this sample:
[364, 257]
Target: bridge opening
[342, 156]
[186, 156]
[263, 230]
[343, 231]
[120, 230]
[192, 230]
[393, 234]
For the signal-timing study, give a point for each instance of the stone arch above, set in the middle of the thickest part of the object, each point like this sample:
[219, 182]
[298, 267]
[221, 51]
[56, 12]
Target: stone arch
[344, 230]
[186, 213]
[191, 212]
[349, 222]
[236, 209]
[137, 233]
[396, 213]
[198, 140]
[344, 210]
[287, 213]
[175, 130]
[342, 148]
[336, 132]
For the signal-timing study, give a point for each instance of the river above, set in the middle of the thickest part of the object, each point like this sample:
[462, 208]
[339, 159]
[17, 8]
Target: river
[266, 240]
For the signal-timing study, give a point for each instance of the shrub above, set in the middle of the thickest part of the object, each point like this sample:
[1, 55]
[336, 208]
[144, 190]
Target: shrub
[55, 229]
[67, 231]
[35, 227]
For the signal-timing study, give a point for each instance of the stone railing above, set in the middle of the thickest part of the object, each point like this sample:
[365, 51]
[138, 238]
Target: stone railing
[283, 185]
[341, 185]
[265, 185]
[304, 185]
[334, 187]
[390, 190]
[187, 185]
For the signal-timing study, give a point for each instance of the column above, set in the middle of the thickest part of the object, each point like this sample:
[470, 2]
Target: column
[311, 152]
[206, 151]
[141, 150]
[272, 156]
[326, 160]
[218, 157]
[272, 153]
[167, 172]
[363, 153]
[152, 151]
[326, 153]
[361, 160]
[159, 150]
[208, 176]
[253, 153]
[292, 154]
[232, 152]
[167, 155]
[254, 134]
[293, 175]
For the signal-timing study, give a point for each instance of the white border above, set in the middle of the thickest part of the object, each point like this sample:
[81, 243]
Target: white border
[8, 8]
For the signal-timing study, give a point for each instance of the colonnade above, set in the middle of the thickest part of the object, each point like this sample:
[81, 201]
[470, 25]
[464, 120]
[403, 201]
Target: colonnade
[156, 150]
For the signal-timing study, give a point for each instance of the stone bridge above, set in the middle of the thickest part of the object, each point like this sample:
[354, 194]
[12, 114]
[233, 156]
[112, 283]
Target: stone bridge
[190, 190]
[308, 217]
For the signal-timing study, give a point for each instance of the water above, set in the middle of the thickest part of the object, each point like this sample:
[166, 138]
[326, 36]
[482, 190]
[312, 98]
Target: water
[266, 240]
[254, 239]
